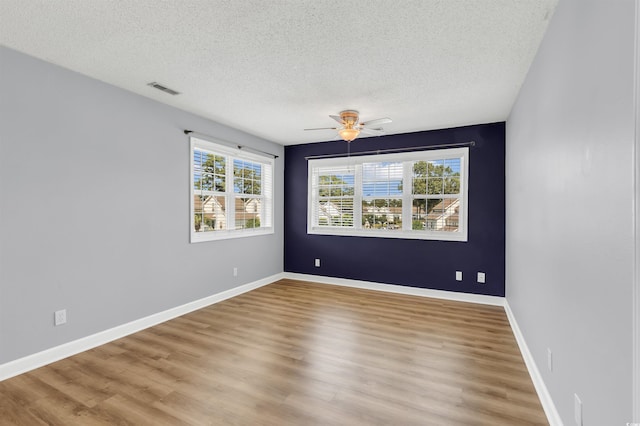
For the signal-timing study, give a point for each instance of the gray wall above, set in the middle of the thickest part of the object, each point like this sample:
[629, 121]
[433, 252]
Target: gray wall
[570, 198]
[94, 205]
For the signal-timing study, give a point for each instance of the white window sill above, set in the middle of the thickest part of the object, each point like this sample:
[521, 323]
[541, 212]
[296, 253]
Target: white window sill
[410, 235]
[200, 237]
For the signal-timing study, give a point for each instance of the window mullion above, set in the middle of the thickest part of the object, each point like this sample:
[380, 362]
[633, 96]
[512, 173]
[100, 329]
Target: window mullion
[230, 194]
[357, 197]
[407, 202]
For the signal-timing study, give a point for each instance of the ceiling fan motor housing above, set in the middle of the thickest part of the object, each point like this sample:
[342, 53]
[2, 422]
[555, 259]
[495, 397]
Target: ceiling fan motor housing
[349, 117]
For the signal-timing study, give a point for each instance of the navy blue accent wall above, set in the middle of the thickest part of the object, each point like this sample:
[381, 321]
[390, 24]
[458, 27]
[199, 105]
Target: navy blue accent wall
[415, 263]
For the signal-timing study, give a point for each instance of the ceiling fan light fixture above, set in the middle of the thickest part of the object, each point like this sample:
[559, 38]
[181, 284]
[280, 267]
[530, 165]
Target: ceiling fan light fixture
[348, 134]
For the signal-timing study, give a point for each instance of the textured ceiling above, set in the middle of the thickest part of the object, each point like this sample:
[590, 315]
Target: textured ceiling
[273, 68]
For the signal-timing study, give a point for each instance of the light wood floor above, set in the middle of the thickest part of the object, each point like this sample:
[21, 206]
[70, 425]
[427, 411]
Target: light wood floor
[293, 353]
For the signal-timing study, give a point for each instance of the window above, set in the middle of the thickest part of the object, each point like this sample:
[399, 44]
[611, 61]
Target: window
[231, 192]
[418, 195]
[335, 196]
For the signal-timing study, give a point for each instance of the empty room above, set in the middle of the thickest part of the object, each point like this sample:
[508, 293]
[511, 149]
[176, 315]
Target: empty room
[320, 212]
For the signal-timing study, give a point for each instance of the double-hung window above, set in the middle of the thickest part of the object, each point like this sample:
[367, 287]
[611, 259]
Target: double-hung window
[231, 192]
[417, 195]
[335, 192]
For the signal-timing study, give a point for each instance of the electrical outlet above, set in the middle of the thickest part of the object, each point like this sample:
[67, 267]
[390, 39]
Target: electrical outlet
[481, 277]
[577, 409]
[60, 317]
[317, 263]
[458, 275]
[235, 272]
[549, 359]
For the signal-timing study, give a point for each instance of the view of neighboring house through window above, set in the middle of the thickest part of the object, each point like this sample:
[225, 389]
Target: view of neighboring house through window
[436, 195]
[382, 195]
[419, 195]
[232, 192]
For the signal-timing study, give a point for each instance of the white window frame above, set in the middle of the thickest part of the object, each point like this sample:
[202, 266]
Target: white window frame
[267, 187]
[407, 159]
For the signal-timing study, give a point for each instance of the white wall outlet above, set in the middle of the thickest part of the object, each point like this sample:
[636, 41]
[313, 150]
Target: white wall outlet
[60, 317]
[458, 275]
[577, 409]
[235, 272]
[317, 263]
[549, 359]
[481, 277]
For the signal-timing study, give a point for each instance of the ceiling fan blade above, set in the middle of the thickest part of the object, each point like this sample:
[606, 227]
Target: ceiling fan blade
[337, 118]
[376, 122]
[323, 128]
[379, 131]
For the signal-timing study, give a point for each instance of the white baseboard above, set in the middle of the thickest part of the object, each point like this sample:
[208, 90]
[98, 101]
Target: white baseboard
[400, 289]
[543, 393]
[39, 359]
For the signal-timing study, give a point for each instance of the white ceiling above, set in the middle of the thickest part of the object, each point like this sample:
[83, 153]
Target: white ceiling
[273, 68]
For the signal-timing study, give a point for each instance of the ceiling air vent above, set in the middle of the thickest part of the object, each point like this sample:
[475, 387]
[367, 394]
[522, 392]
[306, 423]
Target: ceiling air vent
[163, 88]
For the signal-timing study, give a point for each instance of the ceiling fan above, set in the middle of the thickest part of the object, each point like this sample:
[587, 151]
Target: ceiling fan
[350, 126]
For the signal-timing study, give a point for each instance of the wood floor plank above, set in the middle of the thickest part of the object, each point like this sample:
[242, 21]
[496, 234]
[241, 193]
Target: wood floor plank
[293, 353]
